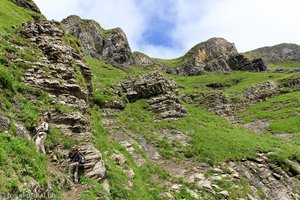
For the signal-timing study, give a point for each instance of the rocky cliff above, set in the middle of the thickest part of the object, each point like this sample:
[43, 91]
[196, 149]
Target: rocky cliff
[61, 72]
[153, 135]
[215, 55]
[108, 45]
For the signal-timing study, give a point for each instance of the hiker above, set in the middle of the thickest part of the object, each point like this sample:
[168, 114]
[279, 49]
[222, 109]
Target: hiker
[41, 134]
[77, 160]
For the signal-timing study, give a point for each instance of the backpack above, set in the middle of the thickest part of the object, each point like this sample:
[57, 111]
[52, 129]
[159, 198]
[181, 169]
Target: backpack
[81, 158]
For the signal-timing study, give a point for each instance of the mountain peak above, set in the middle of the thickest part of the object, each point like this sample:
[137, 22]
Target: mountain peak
[211, 49]
[108, 45]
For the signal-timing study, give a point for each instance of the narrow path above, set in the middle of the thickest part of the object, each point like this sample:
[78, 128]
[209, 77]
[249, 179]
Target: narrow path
[74, 193]
[76, 190]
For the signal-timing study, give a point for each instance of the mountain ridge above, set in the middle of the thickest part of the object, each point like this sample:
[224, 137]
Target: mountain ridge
[145, 133]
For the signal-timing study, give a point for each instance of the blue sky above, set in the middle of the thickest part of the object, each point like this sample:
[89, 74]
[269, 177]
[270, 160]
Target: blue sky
[169, 28]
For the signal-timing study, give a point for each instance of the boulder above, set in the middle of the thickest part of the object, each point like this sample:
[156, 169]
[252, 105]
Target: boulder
[240, 62]
[94, 165]
[4, 123]
[146, 86]
[162, 94]
[119, 158]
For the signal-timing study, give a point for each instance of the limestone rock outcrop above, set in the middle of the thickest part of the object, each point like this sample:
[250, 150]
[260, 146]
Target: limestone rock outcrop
[162, 94]
[108, 45]
[71, 124]
[60, 69]
[94, 166]
[266, 176]
[214, 55]
[62, 73]
[4, 123]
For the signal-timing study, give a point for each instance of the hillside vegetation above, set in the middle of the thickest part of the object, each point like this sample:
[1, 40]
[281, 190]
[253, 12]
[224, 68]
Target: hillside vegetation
[165, 137]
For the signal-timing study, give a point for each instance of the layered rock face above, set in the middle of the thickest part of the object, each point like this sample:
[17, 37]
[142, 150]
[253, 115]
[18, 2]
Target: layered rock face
[162, 94]
[215, 55]
[62, 72]
[94, 166]
[108, 45]
[210, 55]
[59, 66]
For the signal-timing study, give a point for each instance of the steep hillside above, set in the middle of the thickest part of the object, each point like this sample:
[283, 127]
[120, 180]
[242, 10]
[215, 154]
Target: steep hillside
[146, 131]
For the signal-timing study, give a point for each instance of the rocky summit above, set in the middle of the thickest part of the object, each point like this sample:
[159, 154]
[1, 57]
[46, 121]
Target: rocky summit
[108, 45]
[211, 124]
[214, 55]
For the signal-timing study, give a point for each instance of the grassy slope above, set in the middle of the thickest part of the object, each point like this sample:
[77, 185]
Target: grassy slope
[283, 109]
[285, 65]
[12, 14]
[191, 84]
[15, 168]
[19, 162]
[213, 139]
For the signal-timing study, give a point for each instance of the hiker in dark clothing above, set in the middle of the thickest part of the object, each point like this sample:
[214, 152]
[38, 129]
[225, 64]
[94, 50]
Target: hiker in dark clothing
[77, 159]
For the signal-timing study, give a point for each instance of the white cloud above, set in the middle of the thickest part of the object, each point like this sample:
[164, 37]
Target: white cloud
[248, 23]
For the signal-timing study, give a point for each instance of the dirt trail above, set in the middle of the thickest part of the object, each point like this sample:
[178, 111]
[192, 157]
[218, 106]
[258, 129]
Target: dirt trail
[74, 193]
[76, 190]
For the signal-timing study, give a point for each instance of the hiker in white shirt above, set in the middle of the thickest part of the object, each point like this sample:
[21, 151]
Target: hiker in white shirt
[42, 131]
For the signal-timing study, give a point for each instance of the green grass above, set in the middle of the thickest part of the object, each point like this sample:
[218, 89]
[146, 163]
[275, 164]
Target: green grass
[237, 81]
[117, 179]
[18, 162]
[285, 65]
[11, 14]
[289, 125]
[282, 111]
[295, 139]
[106, 77]
[176, 62]
[213, 139]
[277, 108]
